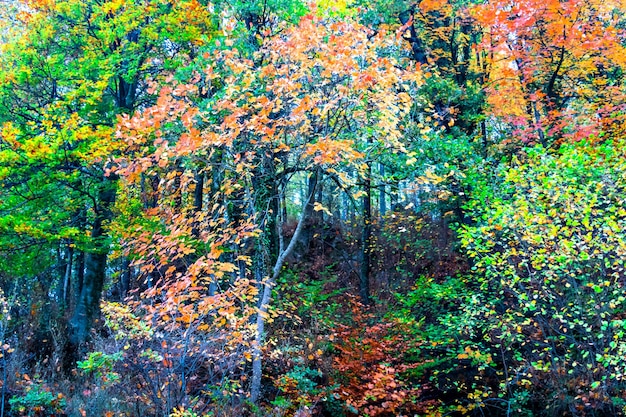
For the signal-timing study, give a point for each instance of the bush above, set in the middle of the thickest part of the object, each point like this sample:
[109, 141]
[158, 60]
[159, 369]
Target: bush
[101, 365]
[551, 248]
[38, 401]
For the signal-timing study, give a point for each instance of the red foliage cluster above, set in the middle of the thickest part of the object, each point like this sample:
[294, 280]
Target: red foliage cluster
[372, 366]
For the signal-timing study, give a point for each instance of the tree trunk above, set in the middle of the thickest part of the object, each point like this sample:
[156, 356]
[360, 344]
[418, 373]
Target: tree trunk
[88, 305]
[383, 191]
[394, 195]
[67, 279]
[539, 127]
[125, 278]
[312, 217]
[80, 273]
[80, 258]
[89, 298]
[61, 269]
[364, 279]
[257, 356]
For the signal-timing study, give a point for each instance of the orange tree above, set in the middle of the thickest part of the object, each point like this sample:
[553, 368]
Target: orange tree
[313, 100]
[553, 62]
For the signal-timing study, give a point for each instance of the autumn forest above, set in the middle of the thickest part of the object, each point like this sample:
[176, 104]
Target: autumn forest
[300, 208]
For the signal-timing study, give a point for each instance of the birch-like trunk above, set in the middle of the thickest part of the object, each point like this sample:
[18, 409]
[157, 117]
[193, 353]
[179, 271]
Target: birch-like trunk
[257, 354]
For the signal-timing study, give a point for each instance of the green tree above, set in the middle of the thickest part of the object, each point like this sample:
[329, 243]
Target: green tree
[65, 76]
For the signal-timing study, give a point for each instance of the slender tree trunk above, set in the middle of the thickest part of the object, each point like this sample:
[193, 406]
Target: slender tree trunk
[88, 305]
[61, 268]
[394, 195]
[4, 383]
[80, 258]
[198, 192]
[537, 119]
[89, 298]
[366, 237]
[333, 204]
[383, 192]
[318, 216]
[80, 273]
[198, 203]
[312, 218]
[351, 206]
[177, 191]
[485, 138]
[282, 219]
[67, 279]
[268, 284]
[125, 278]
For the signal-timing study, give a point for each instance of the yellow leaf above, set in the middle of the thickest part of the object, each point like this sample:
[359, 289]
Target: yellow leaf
[318, 207]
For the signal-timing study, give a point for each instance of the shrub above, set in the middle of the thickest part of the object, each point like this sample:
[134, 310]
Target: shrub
[552, 247]
[38, 401]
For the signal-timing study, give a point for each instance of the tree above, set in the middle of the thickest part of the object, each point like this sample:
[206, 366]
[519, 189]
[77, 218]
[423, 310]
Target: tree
[301, 111]
[549, 59]
[73, 68]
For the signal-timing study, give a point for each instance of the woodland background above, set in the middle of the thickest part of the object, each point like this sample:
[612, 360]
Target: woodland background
[281, 208]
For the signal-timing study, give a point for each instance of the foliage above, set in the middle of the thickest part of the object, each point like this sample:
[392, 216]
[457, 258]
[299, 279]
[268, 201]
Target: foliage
[450, 357]
[313, 301]
[181, 412]
[101, 365]
[372, 368]
[180, 343]
[550, 245]
[201, 174]
[298, 388]
[547, 61]
[68, 73]
[38, 401]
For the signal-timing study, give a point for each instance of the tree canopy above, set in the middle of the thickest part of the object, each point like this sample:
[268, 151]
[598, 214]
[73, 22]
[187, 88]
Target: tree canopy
[286, 208]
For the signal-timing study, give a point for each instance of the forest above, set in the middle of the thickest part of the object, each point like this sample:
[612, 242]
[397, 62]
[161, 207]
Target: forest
[294, 208]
